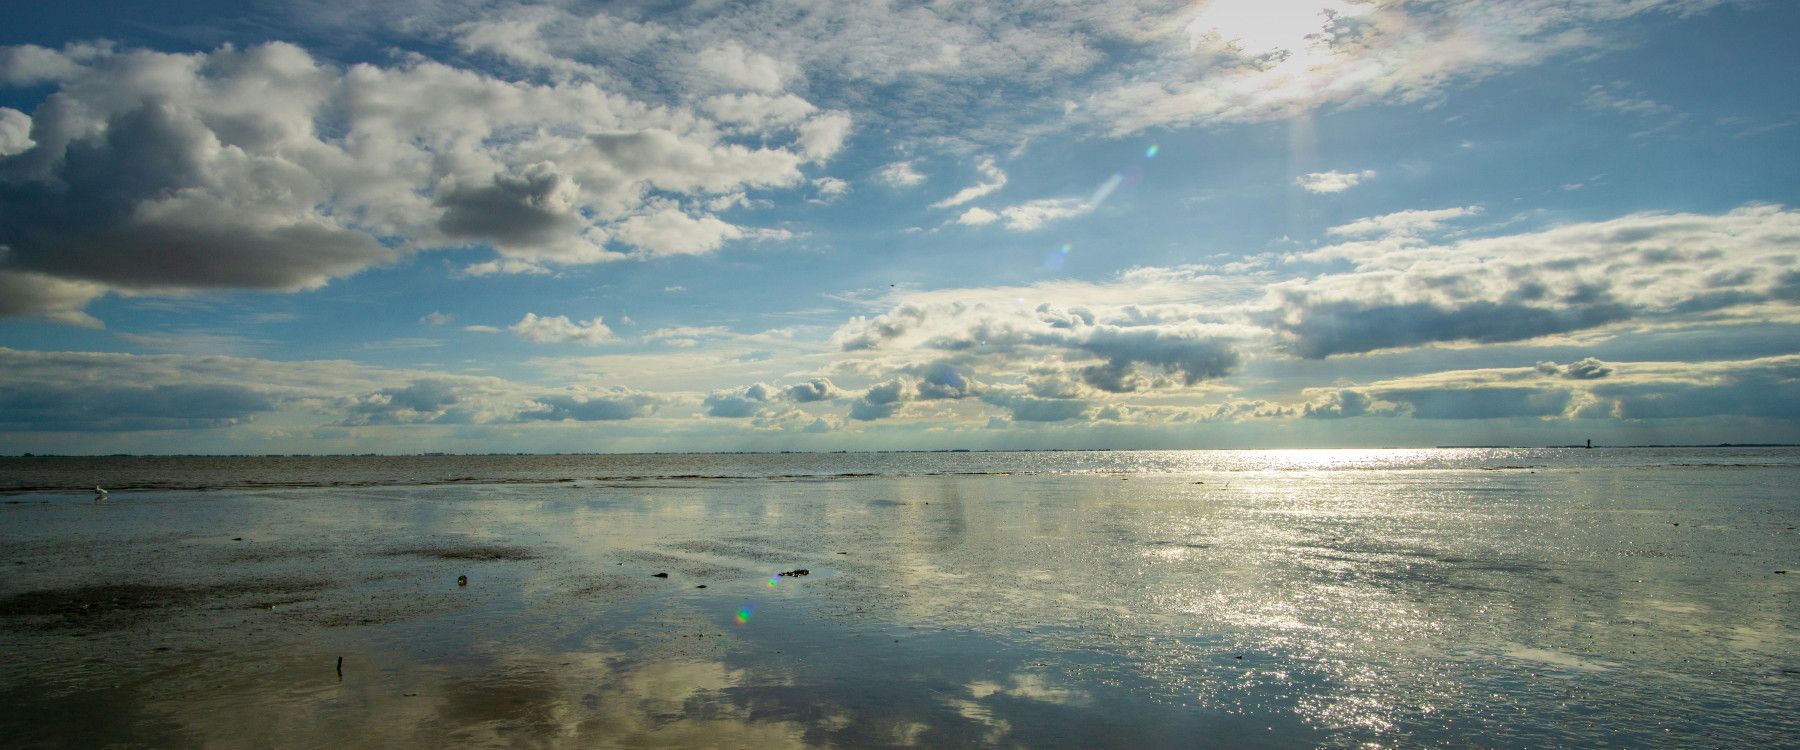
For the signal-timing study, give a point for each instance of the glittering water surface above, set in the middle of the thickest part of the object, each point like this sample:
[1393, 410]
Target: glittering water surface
[1474, 597]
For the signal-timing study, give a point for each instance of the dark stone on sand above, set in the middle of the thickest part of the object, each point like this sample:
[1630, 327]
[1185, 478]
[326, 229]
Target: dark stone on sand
[659, 575]
[701, 586]
[1780, 572]
[462, 580]
[237, 539]
[795, 573]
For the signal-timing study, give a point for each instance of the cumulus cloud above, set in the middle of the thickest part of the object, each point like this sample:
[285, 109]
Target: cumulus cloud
[829, 189]
[1333, 181]
[741, 402]
[264, 168]
[15, 131]
[816, 389]
[1524, 286]
[900, 174]
[421, 401]
[1345, 403]
[559, 329]
[977, 216]
[24, 293]
[1118, 355]
[731, 65]
[595, 405]
[670, 231]
[768, 402]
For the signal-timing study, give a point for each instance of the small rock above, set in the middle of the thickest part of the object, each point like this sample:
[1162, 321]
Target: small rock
[795, 573]
[462, 580]
[701, 586]
[237, 539]
[1780, 572]
[659, 575]
[846, 553]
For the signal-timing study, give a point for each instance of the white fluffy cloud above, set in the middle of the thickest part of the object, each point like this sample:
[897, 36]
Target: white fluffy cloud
[15, 131]
[900, 174]
[1333, 181]
[265, 168]
[560, 329]
[1031, 215]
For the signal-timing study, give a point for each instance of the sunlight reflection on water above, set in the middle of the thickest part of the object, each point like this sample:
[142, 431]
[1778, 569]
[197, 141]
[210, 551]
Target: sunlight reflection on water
[1294, 598]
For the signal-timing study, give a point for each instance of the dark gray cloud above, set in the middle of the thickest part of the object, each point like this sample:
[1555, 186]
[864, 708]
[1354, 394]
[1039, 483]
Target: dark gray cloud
[1757, 389]
[1033, 409]
[141, 203]
[944, 380]
[89, 407]
[740, 403]
[1586, 368]
[533, 208]
[617, 405]
[1403, 291]
[816, 389]
[1322, 329]
[1340, 405]
[423, 401]
[37, 294]
[884, 399]
[1187, 356]
[1478, 403]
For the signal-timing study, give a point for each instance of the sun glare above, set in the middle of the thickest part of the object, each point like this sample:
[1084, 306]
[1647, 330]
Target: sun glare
[1261, 27]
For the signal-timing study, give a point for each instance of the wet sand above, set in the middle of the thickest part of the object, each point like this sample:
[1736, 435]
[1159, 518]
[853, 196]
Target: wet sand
[1413, 609]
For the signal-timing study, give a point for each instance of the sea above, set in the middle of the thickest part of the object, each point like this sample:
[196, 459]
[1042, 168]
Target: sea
[1455, 597]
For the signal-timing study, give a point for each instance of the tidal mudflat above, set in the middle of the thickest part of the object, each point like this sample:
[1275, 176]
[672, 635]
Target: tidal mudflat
[1292, 599]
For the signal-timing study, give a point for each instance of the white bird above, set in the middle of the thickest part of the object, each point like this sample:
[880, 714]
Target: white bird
[98, 490]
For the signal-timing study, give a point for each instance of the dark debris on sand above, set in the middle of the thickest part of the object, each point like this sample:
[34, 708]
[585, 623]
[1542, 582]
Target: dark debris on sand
[109, 606]
[476, 552]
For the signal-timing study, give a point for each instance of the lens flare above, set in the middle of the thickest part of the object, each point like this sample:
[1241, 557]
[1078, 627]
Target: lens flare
[1150, 153]
[744, 613]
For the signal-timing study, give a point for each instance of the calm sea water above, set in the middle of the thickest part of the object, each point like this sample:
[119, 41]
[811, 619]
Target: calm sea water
[1461, 597]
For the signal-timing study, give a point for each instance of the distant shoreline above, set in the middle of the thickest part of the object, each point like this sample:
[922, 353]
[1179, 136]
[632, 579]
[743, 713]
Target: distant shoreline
[939, 450]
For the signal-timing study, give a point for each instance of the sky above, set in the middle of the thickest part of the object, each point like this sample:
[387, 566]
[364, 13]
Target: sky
[316, 226]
